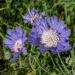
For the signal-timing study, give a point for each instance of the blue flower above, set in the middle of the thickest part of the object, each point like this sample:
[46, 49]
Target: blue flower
[15, 40]
[32, 15]
[51, 34]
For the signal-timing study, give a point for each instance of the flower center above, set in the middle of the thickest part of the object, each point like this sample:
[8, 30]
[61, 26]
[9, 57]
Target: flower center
[49, 38]
[34, 17]
[17, 45]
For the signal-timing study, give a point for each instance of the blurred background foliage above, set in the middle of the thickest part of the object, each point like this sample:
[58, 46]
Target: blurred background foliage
[36, 63]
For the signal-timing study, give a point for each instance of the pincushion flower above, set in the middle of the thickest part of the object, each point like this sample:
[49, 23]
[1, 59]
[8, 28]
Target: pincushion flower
[51, 34]
[15, 40]
[32, 15]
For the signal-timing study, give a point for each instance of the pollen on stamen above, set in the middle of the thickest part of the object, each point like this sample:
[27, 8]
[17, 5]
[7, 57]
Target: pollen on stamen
[49, 38]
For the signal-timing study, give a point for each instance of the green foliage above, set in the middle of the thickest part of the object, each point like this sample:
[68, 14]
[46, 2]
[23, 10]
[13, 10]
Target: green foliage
[36, 63]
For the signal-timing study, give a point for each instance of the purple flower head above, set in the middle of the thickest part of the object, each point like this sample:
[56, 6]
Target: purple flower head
[15, 40]
[32, 15]
[51, 34]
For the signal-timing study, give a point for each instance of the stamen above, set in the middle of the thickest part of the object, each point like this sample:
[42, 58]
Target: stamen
[18, 45]
[34, 17]
[49, 38]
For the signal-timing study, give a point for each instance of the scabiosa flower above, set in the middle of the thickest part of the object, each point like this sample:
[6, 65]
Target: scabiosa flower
[15, 40]
[51, 34]
[32, 15]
